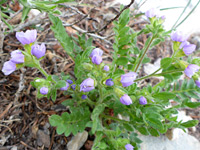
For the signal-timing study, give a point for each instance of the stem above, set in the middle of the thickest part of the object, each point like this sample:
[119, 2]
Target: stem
[42, 71]
[114, 118]
[160, 74]
[142, 57]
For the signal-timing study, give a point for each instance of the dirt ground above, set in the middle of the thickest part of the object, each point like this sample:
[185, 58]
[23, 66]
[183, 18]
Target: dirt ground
[23, 118]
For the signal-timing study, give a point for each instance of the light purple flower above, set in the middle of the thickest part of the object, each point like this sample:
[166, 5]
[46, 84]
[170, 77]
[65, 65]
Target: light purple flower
[106, 68]
[17, 57]
[187, 47]
[178, 36]
[8, 67]
[96, 59]
[96, 51]
[129, 147]
[153, 12]
[87, 85]
[197, 82]
[44, 90]
[27, 37]
[191, 69]
[109, 82]
[126, 100]
[73, 86]
[84, 96]
[70, 81]
[128, 78]
[142, 100]
[65, 87]
[38, 50]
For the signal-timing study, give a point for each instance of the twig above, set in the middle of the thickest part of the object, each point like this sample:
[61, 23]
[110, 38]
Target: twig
[27, 145]
[6, 110]
[1, 35]
[1, 125]
[21, 86]
[109, 22]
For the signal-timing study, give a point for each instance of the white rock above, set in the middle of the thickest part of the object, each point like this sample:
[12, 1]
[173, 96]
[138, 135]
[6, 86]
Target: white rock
[77, 141]
[184, 142]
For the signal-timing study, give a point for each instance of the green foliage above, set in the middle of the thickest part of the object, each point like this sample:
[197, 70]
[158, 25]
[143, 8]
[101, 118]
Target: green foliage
[73, 122]
[61, 35]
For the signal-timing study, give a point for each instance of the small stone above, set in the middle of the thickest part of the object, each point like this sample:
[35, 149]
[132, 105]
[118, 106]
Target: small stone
[77, 141]
[43, 139]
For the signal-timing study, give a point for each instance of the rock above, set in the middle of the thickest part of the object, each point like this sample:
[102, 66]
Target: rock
[43, 139]
[184, 142]
[77, 141]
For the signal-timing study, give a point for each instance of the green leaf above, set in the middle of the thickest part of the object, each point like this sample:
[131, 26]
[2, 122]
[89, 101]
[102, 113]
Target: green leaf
[25, 12]
[192, 104]
[55, 120]
[190, 123]
[143, 130]
[122, 61]
[166, 62]
[164, 95]
[155, 123]
[60, 84]
[154, 132]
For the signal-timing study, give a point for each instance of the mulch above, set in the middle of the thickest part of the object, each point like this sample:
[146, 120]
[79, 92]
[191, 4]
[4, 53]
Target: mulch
[23, 118]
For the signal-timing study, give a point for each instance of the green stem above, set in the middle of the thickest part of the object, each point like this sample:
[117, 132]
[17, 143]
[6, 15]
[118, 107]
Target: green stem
[114, 118]
[142, 57]
[160, 74]
[42, 71]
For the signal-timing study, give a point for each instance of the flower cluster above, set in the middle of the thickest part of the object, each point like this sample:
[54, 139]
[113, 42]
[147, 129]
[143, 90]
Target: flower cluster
[181, 40]
[18, 57]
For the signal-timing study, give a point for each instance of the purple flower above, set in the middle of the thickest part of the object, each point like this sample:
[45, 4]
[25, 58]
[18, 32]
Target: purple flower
[87, 85]
[191, 69]
[178, 36]
[142, 100]
[17, 57]
[129, 147]
[187, 47]
[84, 96]
[27, 37]
[106, 68]
[109, 82]
[38, 50]
[197, 82]
[96, 59]
[8, 67]
[128, 78]
[153, 12]
[70, 81]
[96, 51]
[44, 90]
[73, 86]
[65, 87]
[126, 100]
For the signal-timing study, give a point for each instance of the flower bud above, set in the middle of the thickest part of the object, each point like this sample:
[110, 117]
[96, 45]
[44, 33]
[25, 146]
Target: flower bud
[109, 82]
[142, 100]
[187, 47]
[87, 66]
[84, 96]
[126, 100]
[44, 90]
[17, 57]
[8, 67]
[65, 87]
[70, 81]
[96, 59]
[38, 50]
[178, 36]
[96, 51]
[27, 37]
[106, 68]
[197, 82]
[73, 86]
[129, 147]
[191, 69]
[87, 85]
[128, 78]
